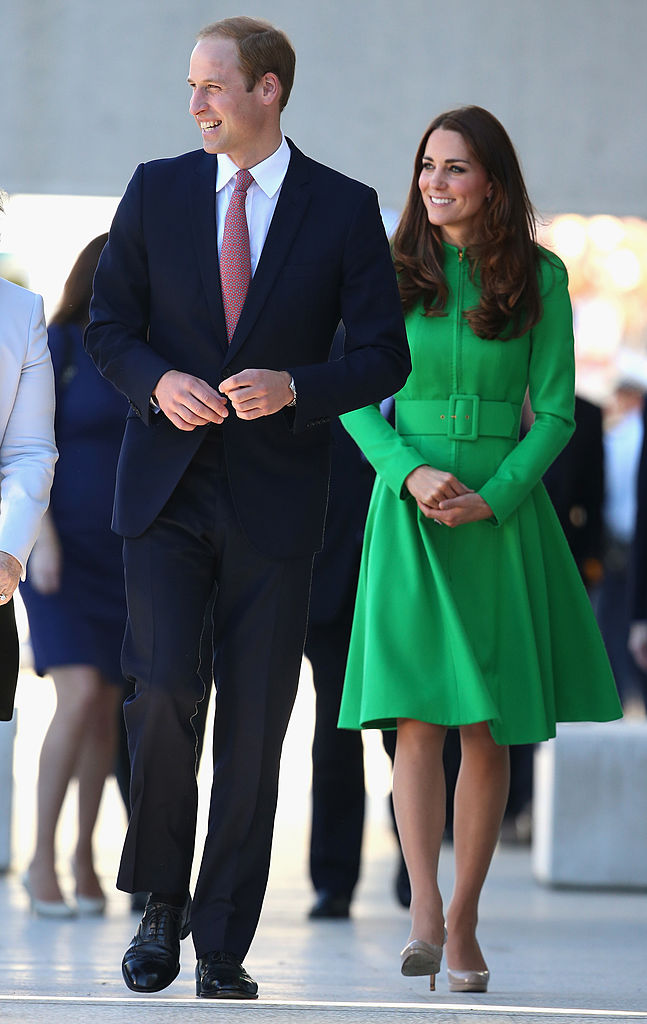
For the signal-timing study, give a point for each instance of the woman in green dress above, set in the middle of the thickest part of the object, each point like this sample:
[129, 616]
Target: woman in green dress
[470, 610]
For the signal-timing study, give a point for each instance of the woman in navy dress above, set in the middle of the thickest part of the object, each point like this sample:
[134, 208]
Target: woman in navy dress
[75, 600]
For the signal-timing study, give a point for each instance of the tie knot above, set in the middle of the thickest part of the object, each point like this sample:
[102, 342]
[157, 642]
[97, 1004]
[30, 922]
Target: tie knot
[243, 180]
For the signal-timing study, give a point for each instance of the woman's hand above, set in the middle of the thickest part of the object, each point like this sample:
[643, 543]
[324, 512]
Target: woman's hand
[431, 486]
[467, 508]
[442, 497]
[46, 560]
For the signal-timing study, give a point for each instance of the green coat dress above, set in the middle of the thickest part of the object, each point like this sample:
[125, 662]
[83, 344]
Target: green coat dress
[488, 621]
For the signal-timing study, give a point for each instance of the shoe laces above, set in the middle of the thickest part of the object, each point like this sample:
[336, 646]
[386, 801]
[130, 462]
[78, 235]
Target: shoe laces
[157, 920]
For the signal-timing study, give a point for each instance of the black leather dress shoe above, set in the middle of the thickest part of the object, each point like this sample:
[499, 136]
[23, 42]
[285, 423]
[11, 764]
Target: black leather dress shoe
[222, 976]
[330, 905]
[152, 960]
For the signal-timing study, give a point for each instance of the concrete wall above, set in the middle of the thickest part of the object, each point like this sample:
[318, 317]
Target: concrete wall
[90, 89]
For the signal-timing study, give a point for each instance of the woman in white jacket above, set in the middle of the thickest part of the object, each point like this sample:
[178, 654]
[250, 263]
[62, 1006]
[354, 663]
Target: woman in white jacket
[27, 456]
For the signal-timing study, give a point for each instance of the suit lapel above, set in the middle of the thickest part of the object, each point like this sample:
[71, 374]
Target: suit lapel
[290, 209]
[203, 207]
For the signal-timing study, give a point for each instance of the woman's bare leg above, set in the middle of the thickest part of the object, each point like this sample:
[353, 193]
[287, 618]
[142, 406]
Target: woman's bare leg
[94, 763]
[76, 689]
[479, 802]
[419, 802]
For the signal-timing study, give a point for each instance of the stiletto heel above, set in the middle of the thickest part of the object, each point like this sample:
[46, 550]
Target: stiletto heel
[468, 981]
[46, 908]
[87, 906]
[419, 958]
[90, 906]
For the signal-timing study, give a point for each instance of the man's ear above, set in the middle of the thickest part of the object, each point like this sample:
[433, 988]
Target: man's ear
[270, 87]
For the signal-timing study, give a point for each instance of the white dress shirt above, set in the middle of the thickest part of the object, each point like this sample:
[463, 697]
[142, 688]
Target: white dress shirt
[262, 196]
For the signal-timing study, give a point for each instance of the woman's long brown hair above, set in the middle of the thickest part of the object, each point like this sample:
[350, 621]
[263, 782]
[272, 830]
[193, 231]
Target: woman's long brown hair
[506, 253]
[74, 307]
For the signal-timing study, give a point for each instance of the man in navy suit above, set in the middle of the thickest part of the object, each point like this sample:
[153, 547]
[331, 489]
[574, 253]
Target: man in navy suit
[223, 475]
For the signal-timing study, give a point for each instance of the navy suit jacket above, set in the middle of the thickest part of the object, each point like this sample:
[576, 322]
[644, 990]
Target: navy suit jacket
[157, 306]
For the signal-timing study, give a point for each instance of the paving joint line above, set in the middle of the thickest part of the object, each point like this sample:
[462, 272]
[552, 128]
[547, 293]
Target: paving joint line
[376, 1008]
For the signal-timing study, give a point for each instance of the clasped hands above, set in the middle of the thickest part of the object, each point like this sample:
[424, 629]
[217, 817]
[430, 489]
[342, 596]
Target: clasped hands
[442, 497]
[189, 402]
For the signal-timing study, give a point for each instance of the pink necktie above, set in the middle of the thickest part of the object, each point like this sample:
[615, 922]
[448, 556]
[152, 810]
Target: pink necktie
[235, 265]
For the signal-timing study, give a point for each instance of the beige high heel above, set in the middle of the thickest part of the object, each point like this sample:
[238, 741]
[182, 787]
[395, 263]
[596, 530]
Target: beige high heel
[87, 906]
[468, 981]
[46, 908]
[419, 958]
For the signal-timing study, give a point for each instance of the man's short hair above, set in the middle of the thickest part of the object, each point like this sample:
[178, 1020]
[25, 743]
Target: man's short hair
[261, 49]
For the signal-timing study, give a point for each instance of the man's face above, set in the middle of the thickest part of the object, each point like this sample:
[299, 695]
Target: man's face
[229, 117]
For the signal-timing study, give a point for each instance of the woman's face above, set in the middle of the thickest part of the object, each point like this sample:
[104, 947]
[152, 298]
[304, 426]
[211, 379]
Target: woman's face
[454, 187]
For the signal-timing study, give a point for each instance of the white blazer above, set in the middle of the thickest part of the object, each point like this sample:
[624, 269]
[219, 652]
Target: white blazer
[27, 449]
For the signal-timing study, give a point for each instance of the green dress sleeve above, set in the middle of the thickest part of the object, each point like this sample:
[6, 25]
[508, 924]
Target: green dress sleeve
[389, 454]
[551, 385]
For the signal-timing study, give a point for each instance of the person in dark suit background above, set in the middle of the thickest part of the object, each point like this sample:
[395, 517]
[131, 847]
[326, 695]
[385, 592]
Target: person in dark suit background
[338, 786]
[623, 437]
[337, 755]
[638, 571]
[226, 485]
[575, 484]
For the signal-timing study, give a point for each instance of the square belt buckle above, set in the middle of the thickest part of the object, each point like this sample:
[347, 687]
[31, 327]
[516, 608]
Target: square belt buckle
[463, 417]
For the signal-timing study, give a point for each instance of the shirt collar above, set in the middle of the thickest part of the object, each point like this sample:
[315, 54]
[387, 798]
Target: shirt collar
[268, 175]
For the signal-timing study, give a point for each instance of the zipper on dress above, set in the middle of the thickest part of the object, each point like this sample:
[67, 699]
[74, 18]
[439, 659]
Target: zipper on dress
[457, 324]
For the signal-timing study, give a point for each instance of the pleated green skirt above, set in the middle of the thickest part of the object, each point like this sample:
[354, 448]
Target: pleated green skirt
[476, 623]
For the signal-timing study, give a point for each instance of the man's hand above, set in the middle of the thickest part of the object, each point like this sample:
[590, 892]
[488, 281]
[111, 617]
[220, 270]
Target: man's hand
[256, 393]
[430, 486]
[187, 401]
[10, 570]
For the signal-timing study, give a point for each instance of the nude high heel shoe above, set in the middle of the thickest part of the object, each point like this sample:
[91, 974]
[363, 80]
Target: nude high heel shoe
[468, 981]
[419, 958]
[87, 906]
[46, 908]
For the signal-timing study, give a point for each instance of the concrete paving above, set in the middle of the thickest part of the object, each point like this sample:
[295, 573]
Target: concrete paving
[554, 955]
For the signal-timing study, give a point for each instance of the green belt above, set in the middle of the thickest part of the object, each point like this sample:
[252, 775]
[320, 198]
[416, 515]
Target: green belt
[460, 417]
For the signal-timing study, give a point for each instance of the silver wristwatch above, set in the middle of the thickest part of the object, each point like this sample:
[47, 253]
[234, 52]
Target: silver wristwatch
[293, 389]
